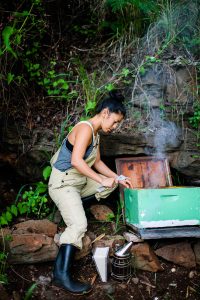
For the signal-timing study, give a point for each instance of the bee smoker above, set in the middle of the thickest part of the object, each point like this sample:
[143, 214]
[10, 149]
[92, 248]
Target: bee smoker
[121, 264]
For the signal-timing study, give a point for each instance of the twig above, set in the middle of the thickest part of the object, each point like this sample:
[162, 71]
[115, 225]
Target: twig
[99, 237]
[20, 275]
[148, 284]
[93, 279]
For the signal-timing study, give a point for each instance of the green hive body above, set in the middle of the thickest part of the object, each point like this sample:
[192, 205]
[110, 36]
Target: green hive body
[167, 207]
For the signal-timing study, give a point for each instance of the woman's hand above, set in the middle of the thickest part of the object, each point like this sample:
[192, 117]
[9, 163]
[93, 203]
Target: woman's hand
[108, 182]
[126, 183]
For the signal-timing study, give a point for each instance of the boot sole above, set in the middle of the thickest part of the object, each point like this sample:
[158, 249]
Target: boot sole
[78, 294]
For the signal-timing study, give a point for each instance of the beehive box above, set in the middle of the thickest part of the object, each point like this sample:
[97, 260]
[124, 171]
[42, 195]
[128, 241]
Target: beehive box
[154, 208]
[166, 207]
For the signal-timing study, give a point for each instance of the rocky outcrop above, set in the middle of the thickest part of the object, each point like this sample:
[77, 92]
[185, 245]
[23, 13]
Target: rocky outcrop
[102, 212]
[30, 242]
[31, 248]
[144, 258]
[179, 253]
[38, 241]
[159, 104]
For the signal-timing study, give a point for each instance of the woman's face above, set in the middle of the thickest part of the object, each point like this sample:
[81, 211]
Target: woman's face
[110, 121]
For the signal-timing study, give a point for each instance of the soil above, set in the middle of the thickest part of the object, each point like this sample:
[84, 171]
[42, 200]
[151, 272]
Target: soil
[166, 285]
[174, 283]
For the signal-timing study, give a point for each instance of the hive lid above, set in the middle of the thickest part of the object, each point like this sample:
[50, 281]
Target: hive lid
[145, 172]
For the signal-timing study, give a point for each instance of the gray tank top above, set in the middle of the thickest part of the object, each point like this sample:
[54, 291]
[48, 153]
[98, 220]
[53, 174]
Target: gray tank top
[63, 161]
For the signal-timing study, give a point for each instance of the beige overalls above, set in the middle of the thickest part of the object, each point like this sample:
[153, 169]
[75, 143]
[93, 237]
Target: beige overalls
[66, 190]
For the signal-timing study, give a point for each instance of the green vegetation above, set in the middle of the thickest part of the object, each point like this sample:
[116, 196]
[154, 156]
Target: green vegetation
[59, 59]
[125, 39]
[32, 202]
[195, 120]
[3, 260]
[30, 291]
[117, 218]
[3, 275]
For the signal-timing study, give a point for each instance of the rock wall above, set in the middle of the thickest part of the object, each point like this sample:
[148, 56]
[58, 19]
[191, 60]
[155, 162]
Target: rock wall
[163, 96]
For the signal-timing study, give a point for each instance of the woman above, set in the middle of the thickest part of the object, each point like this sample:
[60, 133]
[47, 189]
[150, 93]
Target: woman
[78, 171]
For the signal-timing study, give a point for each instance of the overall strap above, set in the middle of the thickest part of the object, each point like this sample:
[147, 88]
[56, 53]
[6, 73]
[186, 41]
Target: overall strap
[88, 123]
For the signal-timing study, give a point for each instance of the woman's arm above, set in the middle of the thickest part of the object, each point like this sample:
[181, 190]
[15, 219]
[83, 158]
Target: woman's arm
[102, 168]
[82, 140]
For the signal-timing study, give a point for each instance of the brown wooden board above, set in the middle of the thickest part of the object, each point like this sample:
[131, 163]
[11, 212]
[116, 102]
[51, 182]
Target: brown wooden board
[144, 172]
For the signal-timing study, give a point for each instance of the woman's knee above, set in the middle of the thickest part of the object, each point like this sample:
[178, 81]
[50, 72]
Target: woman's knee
[82, 225]
[79, 229]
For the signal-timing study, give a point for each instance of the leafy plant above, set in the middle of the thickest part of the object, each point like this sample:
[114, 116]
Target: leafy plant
[89, 87]
[30, 291]
[118, 217]
[195, 119]
[130, 16]
[109, 87]
[3, 261]
[56, 84]
[110, 217]
[3, 275]
[36, 200]
[25, 30]
[33, 201]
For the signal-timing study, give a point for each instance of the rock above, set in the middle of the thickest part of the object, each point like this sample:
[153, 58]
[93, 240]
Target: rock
[108, 288]
[131, 237]
[57, 238]
[168, 87]
[36, 226]
[101, 212]
[135, 280]
[184, 156]
[187, 162]
[111, 242]
[183, 77]
[192, 274]
[173, 270]
[87, 247]
[144, 258]
[44, 280]
[31, 248]
[179, 253]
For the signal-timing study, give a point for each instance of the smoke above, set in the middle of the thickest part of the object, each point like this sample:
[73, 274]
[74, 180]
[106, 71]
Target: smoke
[165, 135]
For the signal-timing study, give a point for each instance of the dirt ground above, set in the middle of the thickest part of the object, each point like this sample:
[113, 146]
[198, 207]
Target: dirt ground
[174, 283]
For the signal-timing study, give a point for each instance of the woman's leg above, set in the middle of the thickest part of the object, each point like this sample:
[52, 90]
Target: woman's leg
[68, 201]
[70, 205]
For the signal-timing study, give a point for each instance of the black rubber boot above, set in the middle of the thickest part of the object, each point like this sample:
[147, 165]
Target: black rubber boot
[62, 273]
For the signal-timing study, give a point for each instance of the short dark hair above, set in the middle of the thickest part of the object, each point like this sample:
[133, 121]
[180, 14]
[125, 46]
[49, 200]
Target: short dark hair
[114, 102]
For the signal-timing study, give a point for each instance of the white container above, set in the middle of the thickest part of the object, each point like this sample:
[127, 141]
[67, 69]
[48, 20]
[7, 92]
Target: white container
[100, 257]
